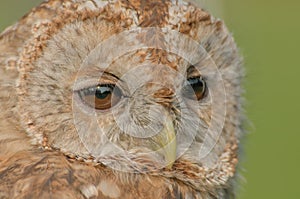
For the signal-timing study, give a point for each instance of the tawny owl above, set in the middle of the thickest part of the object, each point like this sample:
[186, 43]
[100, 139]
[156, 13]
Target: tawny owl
[119, 99]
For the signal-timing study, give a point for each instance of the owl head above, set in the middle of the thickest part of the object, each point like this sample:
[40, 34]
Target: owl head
[138, 86]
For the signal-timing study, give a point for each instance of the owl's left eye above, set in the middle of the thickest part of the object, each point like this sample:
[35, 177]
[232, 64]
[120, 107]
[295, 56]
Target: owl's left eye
[101, 97]
[196, 88]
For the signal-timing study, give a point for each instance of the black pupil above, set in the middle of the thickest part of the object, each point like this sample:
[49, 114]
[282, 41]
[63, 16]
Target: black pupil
[103, 92]
[197, 84]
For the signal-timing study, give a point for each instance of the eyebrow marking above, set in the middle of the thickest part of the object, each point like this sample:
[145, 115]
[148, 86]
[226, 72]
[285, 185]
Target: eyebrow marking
[113, 75]
[192, 71]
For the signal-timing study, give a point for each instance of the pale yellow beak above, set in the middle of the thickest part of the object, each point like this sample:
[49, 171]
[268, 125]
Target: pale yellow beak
[166, 142]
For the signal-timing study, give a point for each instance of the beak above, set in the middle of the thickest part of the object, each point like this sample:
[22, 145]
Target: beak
[166, 142]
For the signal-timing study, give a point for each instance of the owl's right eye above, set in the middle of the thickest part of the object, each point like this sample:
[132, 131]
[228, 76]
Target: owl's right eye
[101, 97]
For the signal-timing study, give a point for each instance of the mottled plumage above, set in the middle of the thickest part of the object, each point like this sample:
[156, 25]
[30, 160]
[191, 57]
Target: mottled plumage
[53, 145]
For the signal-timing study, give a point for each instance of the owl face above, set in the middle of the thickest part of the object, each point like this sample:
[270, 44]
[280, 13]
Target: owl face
[133, 88]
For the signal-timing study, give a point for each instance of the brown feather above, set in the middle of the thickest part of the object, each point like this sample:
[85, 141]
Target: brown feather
[42, 155]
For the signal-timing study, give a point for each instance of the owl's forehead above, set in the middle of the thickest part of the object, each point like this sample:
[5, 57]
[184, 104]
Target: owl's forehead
[149, 65]
[160, 35]
[134, 33]
[145, 13]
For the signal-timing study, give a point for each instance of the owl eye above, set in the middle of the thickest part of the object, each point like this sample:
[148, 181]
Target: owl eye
[101, 97]
[195, 88]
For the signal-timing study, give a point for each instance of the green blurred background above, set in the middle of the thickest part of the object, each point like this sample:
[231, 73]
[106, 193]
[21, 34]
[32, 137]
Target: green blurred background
[268, 34]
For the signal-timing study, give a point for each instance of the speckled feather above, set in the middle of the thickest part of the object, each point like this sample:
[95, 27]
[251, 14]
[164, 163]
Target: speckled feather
[41, 155]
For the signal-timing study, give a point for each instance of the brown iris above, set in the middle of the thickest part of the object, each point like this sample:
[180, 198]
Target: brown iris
[195, 88]
[101, 97]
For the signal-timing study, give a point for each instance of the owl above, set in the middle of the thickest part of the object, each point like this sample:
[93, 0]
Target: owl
[119, 99]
